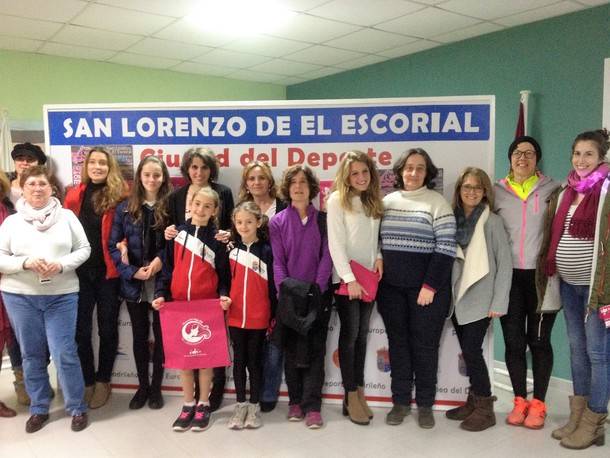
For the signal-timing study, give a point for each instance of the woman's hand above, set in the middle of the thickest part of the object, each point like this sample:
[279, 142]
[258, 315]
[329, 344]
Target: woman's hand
[223, 236]
[143, 273]
[378, 267]
[355, 290]
[170, 232]
[122, 247]
[425, 297]
[158, 303]
[225, 302]
[52, 269]
[155, 266]
[494, 314]
[36, 265]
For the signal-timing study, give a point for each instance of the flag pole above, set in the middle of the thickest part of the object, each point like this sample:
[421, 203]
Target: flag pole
[524, 101]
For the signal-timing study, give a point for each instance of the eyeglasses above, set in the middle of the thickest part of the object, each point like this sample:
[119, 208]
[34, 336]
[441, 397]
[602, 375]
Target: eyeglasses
[529, 154]
[36, 184]
[470, 188]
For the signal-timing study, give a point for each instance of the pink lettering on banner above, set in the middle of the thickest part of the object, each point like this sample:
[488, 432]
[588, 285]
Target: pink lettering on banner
[194, 334]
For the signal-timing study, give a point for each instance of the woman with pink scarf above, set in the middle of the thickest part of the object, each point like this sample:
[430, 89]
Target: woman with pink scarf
[578, 255]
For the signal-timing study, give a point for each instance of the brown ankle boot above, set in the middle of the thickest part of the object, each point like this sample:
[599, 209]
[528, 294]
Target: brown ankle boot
[483, 416]
[355, 410]
[577, 407]
[462, 412]
[22, 394]
[365, 405]
[590, 430]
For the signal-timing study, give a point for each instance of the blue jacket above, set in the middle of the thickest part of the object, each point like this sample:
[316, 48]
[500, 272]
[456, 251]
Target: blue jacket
[123, 227]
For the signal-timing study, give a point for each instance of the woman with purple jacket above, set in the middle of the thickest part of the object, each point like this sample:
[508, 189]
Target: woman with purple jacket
[300, 252]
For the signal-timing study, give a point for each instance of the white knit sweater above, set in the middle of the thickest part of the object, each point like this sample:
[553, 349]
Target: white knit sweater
[64, 242]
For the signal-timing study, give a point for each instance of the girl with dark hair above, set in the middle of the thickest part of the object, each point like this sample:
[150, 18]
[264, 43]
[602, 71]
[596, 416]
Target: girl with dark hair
[521, 199]
[140, 221]
[576, 253]
[418, 246]
[252, 298]
[94, 201]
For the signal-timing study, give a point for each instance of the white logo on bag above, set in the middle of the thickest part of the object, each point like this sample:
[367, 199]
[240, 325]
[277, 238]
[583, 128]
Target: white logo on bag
[194, 331]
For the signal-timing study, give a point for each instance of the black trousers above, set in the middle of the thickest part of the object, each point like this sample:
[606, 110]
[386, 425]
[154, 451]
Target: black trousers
[305, 384]
[523, 327]
[96, 290]
[414, 334]
[354, 316]
[139, 314]
[247, 354]
[471, 337]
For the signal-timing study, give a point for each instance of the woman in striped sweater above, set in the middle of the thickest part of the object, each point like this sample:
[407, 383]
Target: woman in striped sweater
[418, 246]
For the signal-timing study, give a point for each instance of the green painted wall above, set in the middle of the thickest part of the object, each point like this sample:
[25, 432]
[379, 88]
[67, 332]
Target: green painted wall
[28, 81]
[560, 60]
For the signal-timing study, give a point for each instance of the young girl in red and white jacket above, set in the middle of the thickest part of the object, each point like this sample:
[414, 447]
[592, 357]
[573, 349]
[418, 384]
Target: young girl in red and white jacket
[195, 266]
[252, 299]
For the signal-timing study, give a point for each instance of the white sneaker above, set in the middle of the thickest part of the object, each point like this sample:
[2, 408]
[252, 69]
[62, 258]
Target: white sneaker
[239, 415]
[253, 419]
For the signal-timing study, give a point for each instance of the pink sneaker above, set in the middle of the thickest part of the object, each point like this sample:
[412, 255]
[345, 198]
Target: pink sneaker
[536, 413]
[295, 413]
[313, 420]
[517, 416]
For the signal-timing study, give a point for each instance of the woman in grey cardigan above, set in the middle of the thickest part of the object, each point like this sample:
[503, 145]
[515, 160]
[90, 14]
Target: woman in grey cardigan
[481, 282]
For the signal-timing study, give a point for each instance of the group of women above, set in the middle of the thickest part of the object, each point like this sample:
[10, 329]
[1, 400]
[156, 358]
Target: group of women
[518, 250]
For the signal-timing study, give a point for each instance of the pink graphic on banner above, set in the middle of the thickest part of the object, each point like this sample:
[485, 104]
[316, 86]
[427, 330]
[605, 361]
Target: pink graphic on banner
[194, 334]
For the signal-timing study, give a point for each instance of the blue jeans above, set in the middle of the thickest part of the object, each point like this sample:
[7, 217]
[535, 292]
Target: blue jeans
[38, 319]
[273, 365]
[589, 347]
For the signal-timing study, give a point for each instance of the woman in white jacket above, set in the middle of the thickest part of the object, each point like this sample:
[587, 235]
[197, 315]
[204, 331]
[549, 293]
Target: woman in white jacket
[481, 282]
[354, 213]
[40, 247]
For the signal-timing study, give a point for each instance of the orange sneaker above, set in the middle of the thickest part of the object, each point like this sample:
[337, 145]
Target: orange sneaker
[517, 416]
[536, 413]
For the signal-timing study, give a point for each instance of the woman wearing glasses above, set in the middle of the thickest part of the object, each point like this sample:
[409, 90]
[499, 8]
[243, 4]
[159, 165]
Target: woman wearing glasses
[521, 201]
[481, 283]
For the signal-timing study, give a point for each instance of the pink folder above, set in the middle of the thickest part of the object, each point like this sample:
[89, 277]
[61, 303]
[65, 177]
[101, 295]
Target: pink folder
[368, 279]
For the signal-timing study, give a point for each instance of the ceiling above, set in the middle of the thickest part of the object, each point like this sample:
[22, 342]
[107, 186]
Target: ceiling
[323, 38]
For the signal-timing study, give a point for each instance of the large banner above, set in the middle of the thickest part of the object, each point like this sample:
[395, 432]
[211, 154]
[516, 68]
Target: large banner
[455, 131]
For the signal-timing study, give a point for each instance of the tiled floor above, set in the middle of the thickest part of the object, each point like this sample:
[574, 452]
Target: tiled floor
[116, 431]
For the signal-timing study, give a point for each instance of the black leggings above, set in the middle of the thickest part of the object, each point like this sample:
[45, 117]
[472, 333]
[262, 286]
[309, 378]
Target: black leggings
[355, 316]
[471, 338]
[247, 353]
[140, 327]
[523, 327]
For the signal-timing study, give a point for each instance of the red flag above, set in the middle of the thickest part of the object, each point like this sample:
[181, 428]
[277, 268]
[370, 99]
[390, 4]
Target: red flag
[520, 130]
[194, 334]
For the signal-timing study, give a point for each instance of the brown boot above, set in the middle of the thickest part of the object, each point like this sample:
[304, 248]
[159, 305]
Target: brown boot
[89, 389]
[577, 407]
[483, 416]
[101, 393]
[22, 394]
[590, 430]
[365, 406]
[462, 412]
[355, 410]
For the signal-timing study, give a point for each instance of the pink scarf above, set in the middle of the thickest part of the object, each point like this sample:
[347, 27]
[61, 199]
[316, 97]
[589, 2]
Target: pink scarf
[582, 225]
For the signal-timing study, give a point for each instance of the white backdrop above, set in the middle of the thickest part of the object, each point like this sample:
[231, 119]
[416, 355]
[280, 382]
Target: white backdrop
[456, 131]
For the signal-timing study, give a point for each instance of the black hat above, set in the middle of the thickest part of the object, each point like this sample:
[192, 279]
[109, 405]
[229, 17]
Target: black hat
[523, 139]
[27, 149]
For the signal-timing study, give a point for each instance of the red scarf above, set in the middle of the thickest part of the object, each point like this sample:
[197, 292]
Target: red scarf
[582, 225]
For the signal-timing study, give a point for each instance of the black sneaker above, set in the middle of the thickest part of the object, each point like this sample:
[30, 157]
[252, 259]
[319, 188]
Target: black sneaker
[184, 420]
[268, 406]
[139, 399]
[201, 422]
